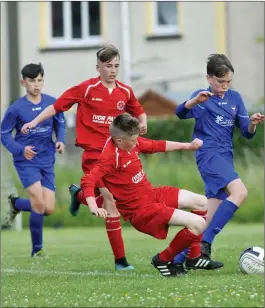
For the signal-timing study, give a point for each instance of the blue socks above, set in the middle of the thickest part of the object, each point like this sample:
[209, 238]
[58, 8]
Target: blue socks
[221, 217]
[22, 205]
[181, 257]
[36, 228]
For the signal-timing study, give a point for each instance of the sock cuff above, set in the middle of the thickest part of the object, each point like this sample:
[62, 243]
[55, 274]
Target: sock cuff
[113, 223]
[191, 235]
[37, 214]
[229, 205]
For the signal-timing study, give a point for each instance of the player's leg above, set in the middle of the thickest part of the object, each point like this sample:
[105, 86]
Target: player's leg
[194, 256]
[237, 194]
[28, 176]
[194, 226]
[37, 201]
[48, 188]
[76, 193]
[114, 231]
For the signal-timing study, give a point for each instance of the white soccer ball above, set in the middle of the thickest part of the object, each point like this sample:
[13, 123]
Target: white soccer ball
[251, 261]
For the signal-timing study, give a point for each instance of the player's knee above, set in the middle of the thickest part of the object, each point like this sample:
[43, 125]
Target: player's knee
[240, 195]
[198, 226]
[110, 207]
[201, 203]
[38, 204]
[49, 210]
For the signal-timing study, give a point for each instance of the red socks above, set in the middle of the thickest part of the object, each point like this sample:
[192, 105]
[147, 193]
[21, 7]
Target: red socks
[81, 198]
[182, 240]
[113, 227]
[195, 248]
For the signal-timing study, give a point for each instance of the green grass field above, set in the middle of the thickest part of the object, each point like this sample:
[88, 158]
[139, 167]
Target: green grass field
[79, 272]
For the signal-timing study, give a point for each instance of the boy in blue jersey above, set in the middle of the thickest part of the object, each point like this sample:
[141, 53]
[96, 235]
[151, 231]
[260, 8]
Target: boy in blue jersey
[217, 111]
[34, 153]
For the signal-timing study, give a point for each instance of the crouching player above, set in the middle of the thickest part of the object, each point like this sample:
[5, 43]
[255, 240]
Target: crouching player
[34, 153]
[150, 210]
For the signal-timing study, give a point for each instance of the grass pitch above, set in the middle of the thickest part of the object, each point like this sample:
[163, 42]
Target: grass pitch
[79, 272]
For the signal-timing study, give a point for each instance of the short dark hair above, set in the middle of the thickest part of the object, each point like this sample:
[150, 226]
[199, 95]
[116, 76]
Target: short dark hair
[124, 125]
[218, 65]
[107, 53]
[32, 71]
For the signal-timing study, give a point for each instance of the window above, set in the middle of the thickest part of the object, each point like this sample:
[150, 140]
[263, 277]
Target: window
[74, 24]
[165, 18]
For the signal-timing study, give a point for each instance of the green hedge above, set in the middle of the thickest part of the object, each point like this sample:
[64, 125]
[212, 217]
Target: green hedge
[177, 169]
[181, 130]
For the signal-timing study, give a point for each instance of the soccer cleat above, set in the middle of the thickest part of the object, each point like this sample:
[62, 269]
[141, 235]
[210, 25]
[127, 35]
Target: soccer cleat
[122, 265]
[168, 269]
[202, 262]
[11, 212]
[39, 254]
[206, 249]
[75, 204]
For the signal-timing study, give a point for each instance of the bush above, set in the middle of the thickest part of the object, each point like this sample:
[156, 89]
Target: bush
[181, 130]
[161, 169]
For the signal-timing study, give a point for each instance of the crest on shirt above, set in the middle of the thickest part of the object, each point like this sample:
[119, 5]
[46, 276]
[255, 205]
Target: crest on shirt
[233, 108]
[120, 105]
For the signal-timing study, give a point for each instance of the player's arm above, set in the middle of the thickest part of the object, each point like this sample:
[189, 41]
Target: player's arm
[154, 146]
[7, 126]
[60, 131]
[88, 183]
[136, 110]
[63, 103]
[247, 124]
[190, 109]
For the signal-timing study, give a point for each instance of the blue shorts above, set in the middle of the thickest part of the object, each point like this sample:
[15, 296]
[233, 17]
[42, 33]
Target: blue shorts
[217, 171]
[31, 174]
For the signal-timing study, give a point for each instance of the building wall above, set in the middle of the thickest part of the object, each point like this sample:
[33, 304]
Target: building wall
[5, 96]
[180, 61]
[179, 58]
[246, 24]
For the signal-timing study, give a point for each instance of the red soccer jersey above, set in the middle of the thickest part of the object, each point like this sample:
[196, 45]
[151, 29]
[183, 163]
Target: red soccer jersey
[123, 174]
[97, 108]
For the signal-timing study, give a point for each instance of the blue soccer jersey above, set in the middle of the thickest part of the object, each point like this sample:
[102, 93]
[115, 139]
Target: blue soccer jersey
[215, 121]
[23, 111]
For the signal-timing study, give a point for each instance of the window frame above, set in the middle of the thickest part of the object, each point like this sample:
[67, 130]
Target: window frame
[164, 30]
[67, 41]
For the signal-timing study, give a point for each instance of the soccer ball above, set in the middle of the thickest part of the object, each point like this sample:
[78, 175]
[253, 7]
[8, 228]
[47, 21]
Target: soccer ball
[251, 261]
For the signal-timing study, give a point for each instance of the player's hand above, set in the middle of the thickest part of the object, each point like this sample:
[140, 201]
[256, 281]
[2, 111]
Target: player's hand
[257, 118]
[60, 147]
[195, 144]
[100, 212]
[203, 96]
[26, 127]
[29, 153]
[143, 129]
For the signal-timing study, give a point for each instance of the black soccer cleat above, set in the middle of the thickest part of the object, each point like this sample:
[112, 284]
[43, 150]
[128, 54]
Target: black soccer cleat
[202, 262]
[168, 269]
[206, 249]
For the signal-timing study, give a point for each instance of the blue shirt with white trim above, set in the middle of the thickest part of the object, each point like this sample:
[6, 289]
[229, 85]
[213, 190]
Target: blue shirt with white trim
[216, 119]
[41, 137]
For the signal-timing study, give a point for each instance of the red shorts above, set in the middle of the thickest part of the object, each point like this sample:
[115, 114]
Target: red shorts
[87, 165]
[156, 212]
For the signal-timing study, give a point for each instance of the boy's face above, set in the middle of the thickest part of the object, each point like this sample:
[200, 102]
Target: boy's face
[33, 86]
[109, 70]
[219, 85]
[127, 143]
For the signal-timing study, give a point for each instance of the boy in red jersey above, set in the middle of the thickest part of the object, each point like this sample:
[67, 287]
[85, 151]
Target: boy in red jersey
[99, 101]
[150, 210]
